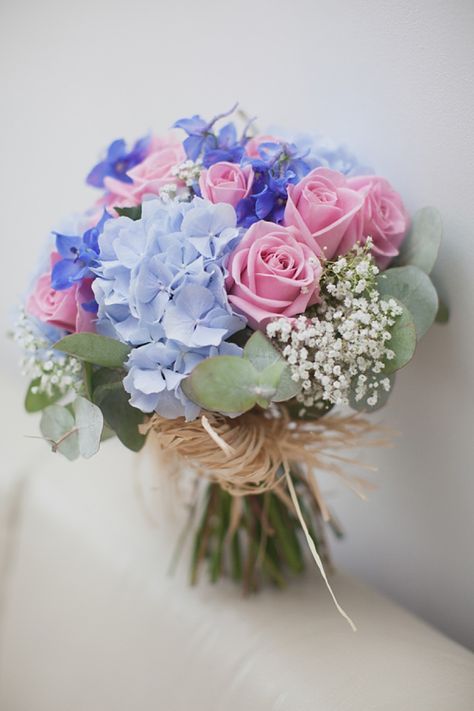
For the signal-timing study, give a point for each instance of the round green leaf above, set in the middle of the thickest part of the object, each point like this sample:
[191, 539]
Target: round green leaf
[414, 289]
[402, 342]
[421, 245]
[57, 425]
[263, 355]
[89, 424]
[226, 384]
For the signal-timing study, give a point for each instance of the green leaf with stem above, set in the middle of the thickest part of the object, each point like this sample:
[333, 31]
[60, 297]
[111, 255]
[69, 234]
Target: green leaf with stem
[93, 348]
[120, 416]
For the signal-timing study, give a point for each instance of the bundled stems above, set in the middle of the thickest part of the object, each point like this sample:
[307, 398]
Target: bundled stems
[264, 543]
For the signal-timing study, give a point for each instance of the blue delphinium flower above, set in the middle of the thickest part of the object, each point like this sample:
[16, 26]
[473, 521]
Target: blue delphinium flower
[79, 256]
[202, 141]
[160, 283]
[118, 162]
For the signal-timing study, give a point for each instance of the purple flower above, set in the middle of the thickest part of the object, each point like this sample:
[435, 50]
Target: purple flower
[118, 162]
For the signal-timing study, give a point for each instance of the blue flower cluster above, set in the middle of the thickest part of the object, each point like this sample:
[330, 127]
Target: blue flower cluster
[202, 142]
[161, 289]
[278, 164]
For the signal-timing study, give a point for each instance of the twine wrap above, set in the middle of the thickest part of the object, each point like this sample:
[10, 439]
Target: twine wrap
[248, 454]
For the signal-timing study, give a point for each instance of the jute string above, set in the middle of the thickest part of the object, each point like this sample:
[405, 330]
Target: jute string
[255, 452]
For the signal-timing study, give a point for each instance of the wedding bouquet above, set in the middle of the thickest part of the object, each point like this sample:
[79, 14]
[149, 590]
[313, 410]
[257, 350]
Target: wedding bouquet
[240, 298]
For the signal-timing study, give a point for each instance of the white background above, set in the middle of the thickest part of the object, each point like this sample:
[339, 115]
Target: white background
[393, 79]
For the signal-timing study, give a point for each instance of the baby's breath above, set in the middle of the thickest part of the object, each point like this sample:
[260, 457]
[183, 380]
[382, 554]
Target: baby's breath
[55, 371]
[187, 174]
[343, 343]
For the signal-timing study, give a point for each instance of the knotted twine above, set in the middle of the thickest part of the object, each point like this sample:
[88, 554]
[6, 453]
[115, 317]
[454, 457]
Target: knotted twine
[254, 453]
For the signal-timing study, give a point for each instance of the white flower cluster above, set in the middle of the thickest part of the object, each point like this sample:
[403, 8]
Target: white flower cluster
[56, 371]
[341, 348]
[188, 173]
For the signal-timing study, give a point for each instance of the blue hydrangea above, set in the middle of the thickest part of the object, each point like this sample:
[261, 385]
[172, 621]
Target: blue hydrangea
[145, 263]
[155, 372]
[160, 287]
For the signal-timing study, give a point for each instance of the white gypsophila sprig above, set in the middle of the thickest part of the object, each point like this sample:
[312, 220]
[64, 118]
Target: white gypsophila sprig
[188, 173]
[56, 372]
[343, 343]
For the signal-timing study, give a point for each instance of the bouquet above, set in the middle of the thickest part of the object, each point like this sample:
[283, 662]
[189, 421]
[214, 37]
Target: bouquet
[244, 299]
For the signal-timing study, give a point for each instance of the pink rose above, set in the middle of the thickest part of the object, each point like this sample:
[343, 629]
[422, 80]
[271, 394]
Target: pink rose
[252, 146]
[383, 216]
[272, 273]
[323, 206]
[226, 182]
[62, 309]
[149, 176]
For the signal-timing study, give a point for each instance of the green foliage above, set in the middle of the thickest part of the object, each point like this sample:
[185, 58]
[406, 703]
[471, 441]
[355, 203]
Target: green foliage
[73, 431]
[442, 315]
[134, 213]
[224, 384]
[403, 342]
[414, 289]
[263, 355]
[233, 384]
[36, 401]
[110, 396]
[93, 348]
[420, 247]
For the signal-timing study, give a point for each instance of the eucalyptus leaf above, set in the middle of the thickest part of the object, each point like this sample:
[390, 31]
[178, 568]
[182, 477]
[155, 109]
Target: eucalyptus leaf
[421, 245]
[262, 354]
[268, 381]
[119, 415]
[383, 395]
[260, 351]
[57, 425]
[94, 348]
[89, 424]
[402, 342]
[36, 401]
[224, 384]
[414, 289]
[133, 213]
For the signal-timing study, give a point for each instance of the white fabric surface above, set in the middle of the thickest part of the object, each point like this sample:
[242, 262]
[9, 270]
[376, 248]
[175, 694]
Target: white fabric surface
[91, 621]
